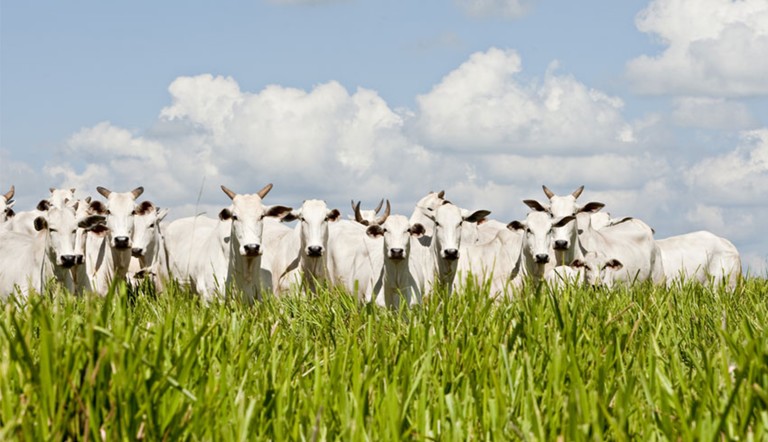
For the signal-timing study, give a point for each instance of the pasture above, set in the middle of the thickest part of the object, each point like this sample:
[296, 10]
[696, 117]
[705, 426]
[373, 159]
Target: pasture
[640, 363]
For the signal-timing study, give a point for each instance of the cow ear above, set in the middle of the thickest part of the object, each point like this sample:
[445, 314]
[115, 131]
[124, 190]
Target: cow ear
[334, 215]
[535, 205]
[40, 223]
[91, 222]
[145, 207]
[615, 264]
[293, 215]
[51, 189]
[43, 205]
[478, 215]
[591, 207]
[97, 207]
[225, 214]
[577, 263]
[9, 213]
[374, 231]
[516, 225]
[563, 221]
[417, 230]
[278, 211]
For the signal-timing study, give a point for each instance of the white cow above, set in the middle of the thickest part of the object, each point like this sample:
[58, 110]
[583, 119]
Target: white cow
[108, 251]
[564, 275]
[481, 231]
[630, 242]
[436, 257]
[299, 256]
[354, 259]
[537, 251]
[700, 256]
[496, 261]
[6, 204]
[598, 270]
[27, 262]
[396, 281]
[224, 260]
[150, 260]
[23, 222]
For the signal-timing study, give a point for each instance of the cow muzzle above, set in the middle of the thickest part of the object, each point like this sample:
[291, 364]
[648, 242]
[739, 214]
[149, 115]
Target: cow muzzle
[68, 261]
[122, 242]
[561, 244]
[315, 251]
[79, 260]
[137, 252]
[451, 254]
[252, 249]
[396, 253]
[542, 258]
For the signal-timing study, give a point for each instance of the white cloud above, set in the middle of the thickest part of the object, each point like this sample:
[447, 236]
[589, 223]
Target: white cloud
[712, 113]
[737, 177]
[483, 106]
[714, 48]
[510, 9]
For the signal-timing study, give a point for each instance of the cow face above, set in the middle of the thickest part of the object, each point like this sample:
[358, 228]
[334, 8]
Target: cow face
[247, 214]
[119, 210]
[448, 219]
[313, 217]
[62, 197]
[6, 202]
[146, 225]
[60, 226]
[598, 269]
[563, 238]
[397, 232]
[538, 228]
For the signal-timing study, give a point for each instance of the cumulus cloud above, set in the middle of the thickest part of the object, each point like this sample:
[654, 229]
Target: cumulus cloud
[714, 48]
[510, 9]
[484, 106]
[736, 177]
[712, 113]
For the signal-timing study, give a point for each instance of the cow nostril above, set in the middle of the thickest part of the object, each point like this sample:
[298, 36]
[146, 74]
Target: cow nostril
[314, 251]
[122, 242]
[451, 253]
[252, 249]
[67, 261]
[542, 258]
[137, 252]
[561, 244]
[396, 253]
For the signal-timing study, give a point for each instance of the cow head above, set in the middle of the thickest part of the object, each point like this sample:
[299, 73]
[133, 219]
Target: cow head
[247, 214]
[538, 228]
[119, 210]
[62, 197]
[396, 231]
[448, 219]
[146, 224]
[313, 216]
[598, 269]
[60, 226]
[563, 238]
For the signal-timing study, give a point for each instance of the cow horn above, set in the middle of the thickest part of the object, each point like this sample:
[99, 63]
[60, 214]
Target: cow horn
[51, 189]
[10, 193]
[376, 210]
[137, 192]
[380, 220]
[358, 217]
[576, 193]
[263, 192]
[229, 193]
[103, 191]
[547, 192]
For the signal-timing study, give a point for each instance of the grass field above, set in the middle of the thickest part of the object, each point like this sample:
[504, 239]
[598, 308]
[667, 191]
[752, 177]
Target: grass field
[644, 363]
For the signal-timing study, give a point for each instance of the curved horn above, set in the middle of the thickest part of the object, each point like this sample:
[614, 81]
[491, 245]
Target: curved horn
[353, 204]
[103, 191]
[137, 192]
[229, 193]
[10, 193]
[263, 192]
[441, 194]
[548, 192]
[358, 217]
[380, 220]
[576, 193]
[376, 210]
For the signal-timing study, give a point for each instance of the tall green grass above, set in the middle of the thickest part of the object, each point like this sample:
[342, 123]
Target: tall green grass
[641, 363]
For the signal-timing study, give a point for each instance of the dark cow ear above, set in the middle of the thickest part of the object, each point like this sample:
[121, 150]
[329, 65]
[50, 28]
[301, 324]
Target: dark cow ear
[40, 223]
[145, 207]
[417, 230]
[478, 215]
[9, 213]
[289, 217]
[516, 225]
[334, 215]
[92, 221]
[591, 207]
[374, 231]
[278, 211]
[535, 205]
[225, 214]
[563, 221]
[614, 264]
[577, 263]
[43, 205]
[97, 208]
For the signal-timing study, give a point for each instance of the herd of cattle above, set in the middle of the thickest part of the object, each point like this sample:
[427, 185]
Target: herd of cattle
[382, 257]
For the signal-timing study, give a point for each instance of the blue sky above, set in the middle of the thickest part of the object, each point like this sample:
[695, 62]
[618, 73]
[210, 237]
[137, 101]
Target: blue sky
[657, 106]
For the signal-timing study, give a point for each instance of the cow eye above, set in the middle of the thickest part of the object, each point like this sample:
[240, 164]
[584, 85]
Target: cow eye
[108, 212]
[152, 226]
[52, 230]
[133, 212]
[437, 224]
[234, 217]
